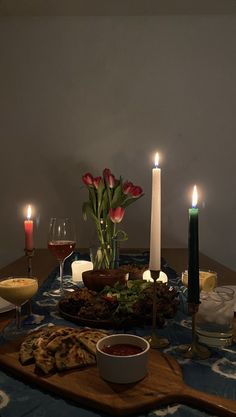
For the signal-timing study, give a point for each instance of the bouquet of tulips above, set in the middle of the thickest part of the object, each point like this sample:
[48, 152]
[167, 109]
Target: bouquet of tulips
[108, 199]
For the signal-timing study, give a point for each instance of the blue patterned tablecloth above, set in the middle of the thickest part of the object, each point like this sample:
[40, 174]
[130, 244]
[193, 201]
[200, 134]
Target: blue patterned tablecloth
[216, 375]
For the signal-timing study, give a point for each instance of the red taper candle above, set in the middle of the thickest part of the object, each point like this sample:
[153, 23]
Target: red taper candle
[29, 226]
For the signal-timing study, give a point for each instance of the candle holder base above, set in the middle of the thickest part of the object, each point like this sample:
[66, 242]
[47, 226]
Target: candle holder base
[194, 351]
[157, 342]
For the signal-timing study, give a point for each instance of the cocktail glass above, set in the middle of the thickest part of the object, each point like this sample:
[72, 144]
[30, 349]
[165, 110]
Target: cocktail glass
[17, 290]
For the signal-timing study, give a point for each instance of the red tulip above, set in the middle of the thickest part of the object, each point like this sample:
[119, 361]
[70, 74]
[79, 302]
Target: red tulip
[127, 186]
[111, 180]
[117, 214]
[96, 182]
[87, 179]
[109, 177]
[106, 173]
[136, 191]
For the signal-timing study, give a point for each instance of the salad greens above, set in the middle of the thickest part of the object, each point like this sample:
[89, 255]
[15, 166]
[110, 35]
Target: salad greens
[125, 296]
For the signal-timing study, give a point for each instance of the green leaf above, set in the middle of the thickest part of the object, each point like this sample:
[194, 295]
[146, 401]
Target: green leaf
[93, 200]
[104, 206]
[121, 235]
[117, 197]
[88, 211]
[130, 200]
[100, 193]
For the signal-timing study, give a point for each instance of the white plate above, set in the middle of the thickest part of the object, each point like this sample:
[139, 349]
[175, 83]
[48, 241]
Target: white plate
[5, 306]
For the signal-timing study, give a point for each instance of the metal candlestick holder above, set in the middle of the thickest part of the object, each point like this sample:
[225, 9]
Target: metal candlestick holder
[32, 318]
[194, 350]
[29, 254]
[156, 341]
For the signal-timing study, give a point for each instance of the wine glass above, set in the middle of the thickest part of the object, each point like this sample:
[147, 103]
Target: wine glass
[61, 242]
[17, 290]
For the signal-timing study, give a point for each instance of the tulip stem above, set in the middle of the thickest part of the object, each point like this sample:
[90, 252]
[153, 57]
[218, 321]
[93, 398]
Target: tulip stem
[114, 247]
[103, 244]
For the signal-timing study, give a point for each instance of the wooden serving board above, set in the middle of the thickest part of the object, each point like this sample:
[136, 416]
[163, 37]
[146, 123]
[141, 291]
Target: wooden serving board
[163, 385]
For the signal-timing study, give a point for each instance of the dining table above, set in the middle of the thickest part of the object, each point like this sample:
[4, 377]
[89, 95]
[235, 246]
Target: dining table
[20, 397]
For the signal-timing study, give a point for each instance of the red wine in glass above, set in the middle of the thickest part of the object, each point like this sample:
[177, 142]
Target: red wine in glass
[61, 249]
[61, 242]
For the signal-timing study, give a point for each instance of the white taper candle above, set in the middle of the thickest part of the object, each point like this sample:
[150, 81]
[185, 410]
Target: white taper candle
[155, 235]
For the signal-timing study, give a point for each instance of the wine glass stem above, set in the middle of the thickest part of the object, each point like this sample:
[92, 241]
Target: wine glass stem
[61, 276]
[18, 317]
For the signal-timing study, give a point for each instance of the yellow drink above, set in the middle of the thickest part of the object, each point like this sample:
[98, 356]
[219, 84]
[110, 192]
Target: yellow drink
[18, 290]
[207, 280]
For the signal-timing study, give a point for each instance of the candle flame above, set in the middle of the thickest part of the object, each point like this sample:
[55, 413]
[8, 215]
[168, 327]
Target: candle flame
[29, 212]
[195, 196]
[157, 159]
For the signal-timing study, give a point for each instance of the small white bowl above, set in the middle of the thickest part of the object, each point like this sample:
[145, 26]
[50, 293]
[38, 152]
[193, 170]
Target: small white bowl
[122, 369]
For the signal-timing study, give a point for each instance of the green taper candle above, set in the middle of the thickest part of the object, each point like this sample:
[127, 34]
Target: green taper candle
[193, 252]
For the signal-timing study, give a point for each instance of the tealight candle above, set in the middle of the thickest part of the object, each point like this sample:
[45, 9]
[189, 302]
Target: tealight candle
[29, 226]
[78, 267]
[155, 235]
[162, 276]
[193, 252]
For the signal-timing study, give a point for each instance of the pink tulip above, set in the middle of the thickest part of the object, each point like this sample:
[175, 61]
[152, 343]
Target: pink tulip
[87, 179]
[136, 191]
[96, 181]
[127, 186]
[109, 177]
[111, 180]
[117, 214]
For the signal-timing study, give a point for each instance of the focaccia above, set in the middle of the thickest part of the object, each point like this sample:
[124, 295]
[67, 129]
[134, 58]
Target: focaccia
[89, 339]
[28, 346]
[60, 348]
[71, 354]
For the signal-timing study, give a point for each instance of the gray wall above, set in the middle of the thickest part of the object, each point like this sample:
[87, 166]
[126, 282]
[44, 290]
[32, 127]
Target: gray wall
[80, 94]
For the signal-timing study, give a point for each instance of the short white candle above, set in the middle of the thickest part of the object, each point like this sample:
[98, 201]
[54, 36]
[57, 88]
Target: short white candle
[78, 267]
[155, 235]
[162, 277]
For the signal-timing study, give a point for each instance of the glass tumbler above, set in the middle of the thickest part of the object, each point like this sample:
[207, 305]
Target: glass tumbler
[214, 319]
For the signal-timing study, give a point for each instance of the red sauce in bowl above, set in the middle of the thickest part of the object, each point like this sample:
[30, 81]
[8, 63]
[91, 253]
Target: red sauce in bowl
[122, 349]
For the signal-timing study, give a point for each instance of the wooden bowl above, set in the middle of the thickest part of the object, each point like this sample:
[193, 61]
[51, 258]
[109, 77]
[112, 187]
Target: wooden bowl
[97, 279]
[135, 271]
